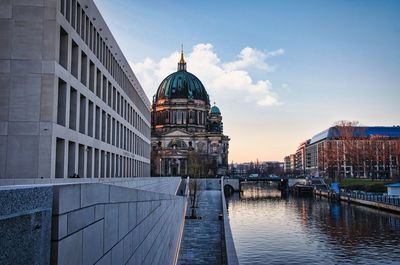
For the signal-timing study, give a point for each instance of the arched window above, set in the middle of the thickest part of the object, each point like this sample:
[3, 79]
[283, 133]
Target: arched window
[177, 143]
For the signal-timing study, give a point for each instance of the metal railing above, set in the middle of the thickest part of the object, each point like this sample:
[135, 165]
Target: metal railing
[382, 198]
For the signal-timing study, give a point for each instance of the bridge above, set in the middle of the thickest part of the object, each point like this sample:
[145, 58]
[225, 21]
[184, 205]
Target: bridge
[234, 184]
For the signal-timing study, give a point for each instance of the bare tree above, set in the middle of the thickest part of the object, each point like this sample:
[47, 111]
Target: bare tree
[396, 159]
[194, 193]
[350, 136]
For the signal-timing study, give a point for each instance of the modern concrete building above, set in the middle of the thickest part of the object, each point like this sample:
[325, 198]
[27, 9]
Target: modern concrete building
[69, 102]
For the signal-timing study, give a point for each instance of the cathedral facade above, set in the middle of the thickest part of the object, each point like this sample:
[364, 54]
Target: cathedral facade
[187, 133]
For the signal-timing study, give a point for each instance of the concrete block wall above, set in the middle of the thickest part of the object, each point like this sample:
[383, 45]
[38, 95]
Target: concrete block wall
[25, 225]
[27, 46]
[96, 223]
[161, 185]
[168, 185]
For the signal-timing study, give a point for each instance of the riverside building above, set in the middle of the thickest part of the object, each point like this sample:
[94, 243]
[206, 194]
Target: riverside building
[70, 105]
[351, 151]
[187, 133]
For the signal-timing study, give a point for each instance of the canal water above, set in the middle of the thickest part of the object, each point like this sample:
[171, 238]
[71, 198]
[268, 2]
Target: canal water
[269, 228]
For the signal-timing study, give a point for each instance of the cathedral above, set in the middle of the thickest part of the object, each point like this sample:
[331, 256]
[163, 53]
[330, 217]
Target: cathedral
[187, 133]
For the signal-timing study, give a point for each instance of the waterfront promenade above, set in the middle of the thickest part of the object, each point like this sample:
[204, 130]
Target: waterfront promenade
[208, 239]
[202, 238]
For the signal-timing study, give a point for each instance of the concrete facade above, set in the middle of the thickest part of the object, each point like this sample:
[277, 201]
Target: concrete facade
[25, 225]
[69, 102]
[108, 222]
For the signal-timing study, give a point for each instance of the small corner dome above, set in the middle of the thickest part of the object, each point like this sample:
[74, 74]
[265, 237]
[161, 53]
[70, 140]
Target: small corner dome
[215, 110]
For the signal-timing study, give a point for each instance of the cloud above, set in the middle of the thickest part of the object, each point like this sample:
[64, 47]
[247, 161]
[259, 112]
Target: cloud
[218, 77]
[250, 57]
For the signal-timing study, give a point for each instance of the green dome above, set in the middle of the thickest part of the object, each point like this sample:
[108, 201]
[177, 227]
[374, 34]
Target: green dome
[215, 110]
[182, 84]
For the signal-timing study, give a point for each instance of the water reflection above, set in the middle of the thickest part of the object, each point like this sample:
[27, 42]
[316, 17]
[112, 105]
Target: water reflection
[272, 229]
[260, 190]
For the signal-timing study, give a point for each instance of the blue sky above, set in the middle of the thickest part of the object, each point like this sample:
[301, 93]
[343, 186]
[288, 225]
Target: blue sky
[281, 71]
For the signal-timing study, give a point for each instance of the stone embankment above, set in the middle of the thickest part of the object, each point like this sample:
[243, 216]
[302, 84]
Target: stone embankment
[378, 201]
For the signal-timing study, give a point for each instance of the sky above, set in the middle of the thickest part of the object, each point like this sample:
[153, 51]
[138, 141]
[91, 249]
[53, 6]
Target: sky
[280, 71]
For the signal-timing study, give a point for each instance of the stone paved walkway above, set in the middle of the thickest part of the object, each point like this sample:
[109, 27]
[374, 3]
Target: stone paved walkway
[201, 242]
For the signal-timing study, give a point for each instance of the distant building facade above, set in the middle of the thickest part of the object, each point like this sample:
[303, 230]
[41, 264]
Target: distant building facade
[351, 151]
[187, 133]
[262, 168]
[300, 159]
[70, 105]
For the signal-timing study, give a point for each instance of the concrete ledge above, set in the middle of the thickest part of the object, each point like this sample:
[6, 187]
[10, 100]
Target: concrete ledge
[231, 255]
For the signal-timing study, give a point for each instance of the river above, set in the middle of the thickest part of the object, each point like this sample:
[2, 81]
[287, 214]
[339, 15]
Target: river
[272, 229]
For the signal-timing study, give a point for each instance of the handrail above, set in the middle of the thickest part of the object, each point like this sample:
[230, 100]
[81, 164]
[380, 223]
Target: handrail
[231, 255]
[387, 199]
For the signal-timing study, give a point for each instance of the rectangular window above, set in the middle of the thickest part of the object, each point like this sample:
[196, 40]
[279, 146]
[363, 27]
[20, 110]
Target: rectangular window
[109, 91]
[96, 171]
[113, 165]
[103, 126]
[102, 165]
[104, 94]
[68, 10]
[113, 131]
[108, 156]
[118, 102]
[73, 15]
[90, 118]
[75, 59]
[73, 109]
[62, 7]
[98, 83]
[62, 102]
[71, 159]
[63, 52]
[108, 129]
[89, 162]
[92, 72]
[82, 114]
[87, 30]
[81, 161]
[91, 36]
[84, 69]
[82, 25]
[117, 135]
[60, 151]
[97, 127]
[78, 19]
[114, 98]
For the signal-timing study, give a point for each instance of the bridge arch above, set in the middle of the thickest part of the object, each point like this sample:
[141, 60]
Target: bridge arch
[228, 189]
